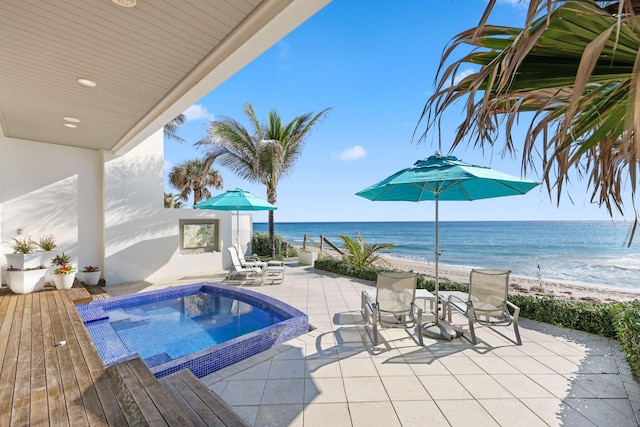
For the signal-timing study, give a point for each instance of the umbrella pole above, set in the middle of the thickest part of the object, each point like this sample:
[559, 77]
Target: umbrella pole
[238, 228]
[437, 256]
[438, 330]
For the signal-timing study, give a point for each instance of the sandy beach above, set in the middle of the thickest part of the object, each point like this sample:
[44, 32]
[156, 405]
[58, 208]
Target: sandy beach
[521, 284]
[524, 285]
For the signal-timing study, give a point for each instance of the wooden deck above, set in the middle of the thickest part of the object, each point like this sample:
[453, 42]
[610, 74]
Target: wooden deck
[203, 407]
[51, 373]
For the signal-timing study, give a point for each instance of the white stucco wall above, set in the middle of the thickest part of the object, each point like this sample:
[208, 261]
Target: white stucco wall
[142, 238]
[51, 189]
[105, 209]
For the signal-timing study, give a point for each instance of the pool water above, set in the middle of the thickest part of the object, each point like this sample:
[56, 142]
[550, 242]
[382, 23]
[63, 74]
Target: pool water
[202, 327]
[167, 330]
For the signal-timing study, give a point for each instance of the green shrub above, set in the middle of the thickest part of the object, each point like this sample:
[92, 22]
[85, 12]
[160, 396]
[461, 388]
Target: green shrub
[628, 328]
[260, 246]
[339, 266]
[597, 319]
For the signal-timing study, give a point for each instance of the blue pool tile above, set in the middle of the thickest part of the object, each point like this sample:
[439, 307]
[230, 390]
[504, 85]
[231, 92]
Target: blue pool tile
[113, 350]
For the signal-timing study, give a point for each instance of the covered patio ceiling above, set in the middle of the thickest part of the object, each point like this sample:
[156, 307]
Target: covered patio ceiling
[149, 62]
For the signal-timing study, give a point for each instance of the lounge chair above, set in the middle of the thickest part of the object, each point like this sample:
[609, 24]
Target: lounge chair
[392, 305]
[238, 270]
[254, 261]
[486, 303]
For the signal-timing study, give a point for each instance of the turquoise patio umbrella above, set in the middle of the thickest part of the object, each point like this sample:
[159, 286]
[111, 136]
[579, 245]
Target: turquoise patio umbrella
[236, 200]
[445, 178]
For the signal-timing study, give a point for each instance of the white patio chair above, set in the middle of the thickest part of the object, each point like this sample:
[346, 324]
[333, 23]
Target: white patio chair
[393, 305]
[486, 303]
[238, 270]
[254, 262]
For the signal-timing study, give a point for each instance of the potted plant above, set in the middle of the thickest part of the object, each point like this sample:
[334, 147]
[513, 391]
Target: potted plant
[24, 281]
[91, 275]
[47, 243]
[64, 272]
[23, 255]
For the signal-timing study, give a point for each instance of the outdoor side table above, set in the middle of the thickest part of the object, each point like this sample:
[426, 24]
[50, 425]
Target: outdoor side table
[425, 295]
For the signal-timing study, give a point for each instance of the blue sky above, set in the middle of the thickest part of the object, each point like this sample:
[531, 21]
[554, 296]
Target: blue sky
[373, 63]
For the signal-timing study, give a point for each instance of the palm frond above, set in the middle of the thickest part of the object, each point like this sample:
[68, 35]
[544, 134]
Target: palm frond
[171, 128]
[574, 69]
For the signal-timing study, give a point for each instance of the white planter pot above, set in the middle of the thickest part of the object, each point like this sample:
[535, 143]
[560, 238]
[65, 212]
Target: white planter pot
[23, 261]
[307, 258]
[63, 281]
[46, 257]
[90, 277]
[24, 282]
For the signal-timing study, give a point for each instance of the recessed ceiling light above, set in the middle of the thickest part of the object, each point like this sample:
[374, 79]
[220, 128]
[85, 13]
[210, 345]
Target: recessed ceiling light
[70, 125]
[87, 82]
[125, 3]
[71, 119]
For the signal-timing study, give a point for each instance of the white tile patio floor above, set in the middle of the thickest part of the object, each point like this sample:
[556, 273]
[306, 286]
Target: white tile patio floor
[333, 376]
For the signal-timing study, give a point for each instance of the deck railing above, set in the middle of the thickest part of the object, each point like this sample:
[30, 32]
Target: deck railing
[320, 245]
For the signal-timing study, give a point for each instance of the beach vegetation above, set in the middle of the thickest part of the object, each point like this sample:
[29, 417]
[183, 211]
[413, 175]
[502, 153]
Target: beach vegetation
[266, 154]
[628, 328]
[599, 319]
[362, 254]
[171, 128]
[194, 176]
[572, 70]
[262, 248]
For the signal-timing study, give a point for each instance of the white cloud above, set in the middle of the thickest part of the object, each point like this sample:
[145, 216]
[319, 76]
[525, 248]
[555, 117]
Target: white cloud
[197, 112]
[352, 153]
[461, 75]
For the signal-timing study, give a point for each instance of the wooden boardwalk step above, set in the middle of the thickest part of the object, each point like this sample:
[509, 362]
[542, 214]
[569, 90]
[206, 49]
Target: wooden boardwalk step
[141, 396]
[202, 406]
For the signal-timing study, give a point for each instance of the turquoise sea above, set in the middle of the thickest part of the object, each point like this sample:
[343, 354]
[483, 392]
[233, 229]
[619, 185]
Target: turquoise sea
[586, 252]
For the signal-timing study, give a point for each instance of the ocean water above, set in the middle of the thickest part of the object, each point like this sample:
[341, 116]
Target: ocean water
[584, 252]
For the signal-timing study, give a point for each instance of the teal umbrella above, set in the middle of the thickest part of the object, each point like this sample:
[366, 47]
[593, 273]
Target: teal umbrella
[236, 200]
[445, 178]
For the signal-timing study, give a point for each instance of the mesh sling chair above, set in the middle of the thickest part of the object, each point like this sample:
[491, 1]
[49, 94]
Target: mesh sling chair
[393, 304]
[486, 303]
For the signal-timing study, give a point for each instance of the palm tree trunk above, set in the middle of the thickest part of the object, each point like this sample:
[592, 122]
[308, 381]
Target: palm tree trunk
[272, 233]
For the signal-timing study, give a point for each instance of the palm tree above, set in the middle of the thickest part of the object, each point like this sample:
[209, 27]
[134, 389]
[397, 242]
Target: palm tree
[171, 128]
[573, 68]
[362, 254]
[265, 156]
[194, 176]
[172, 201]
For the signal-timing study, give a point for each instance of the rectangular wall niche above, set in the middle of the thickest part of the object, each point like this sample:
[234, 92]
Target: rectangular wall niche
[199, 235]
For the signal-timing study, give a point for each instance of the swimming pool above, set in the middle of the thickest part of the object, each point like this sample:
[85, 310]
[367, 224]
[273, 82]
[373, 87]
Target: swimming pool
[203, 327]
